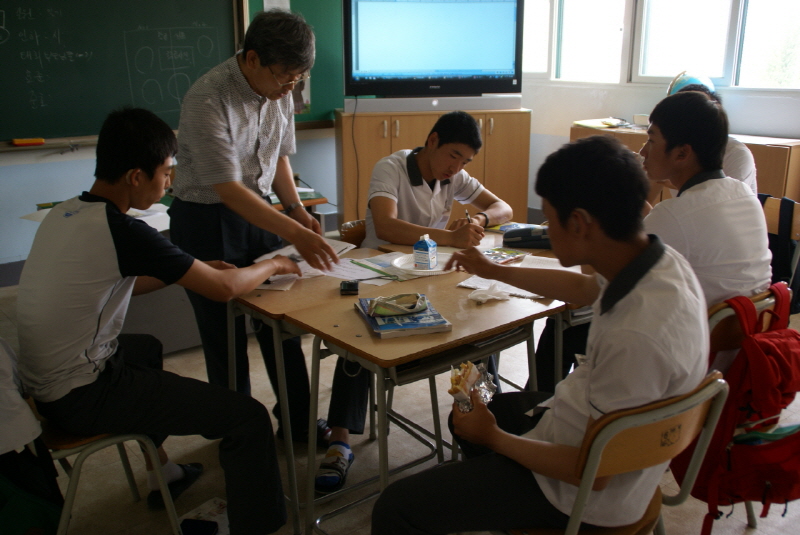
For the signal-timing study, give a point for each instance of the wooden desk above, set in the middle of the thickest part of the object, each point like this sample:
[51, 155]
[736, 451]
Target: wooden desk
[315, 306]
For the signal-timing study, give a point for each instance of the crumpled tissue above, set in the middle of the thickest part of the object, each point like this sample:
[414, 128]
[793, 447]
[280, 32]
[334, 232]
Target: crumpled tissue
[492, 292]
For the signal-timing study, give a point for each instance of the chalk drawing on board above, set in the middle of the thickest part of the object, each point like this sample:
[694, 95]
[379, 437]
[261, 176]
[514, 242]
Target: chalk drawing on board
[4, 33]
[169, 59]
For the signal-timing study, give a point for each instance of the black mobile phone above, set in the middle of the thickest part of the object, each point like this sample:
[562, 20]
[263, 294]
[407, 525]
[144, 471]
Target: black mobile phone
[348, 288]
[193, 526]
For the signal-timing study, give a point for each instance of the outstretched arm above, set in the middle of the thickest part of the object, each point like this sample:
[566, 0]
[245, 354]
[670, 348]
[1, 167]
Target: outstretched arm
[223, 283]
[575, 288]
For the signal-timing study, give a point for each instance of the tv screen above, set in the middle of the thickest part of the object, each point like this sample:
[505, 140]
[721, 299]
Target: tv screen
[407, 48]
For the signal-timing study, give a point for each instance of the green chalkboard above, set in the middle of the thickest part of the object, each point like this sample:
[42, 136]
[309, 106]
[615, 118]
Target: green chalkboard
[327, 76]
[67, 63]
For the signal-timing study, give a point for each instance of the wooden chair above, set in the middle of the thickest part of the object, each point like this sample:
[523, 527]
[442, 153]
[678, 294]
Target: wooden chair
[772, 210]
[353, 232]
[633, 439]
[62, 445]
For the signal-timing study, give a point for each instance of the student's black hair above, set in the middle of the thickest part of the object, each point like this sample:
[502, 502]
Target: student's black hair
[703, 89]
[132, 138]
[693, 118]
[600, 175]
[281, 37]
[458, 127]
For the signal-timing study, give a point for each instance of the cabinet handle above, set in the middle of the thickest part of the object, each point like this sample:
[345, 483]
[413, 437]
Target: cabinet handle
[491, 125]
[480, 124]
[397, 128]
[385, 128]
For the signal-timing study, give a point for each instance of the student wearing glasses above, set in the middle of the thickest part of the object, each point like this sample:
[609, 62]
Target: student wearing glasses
[236, 133]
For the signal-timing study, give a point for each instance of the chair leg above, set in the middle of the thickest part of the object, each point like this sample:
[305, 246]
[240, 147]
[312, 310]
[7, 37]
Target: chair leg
[372, 408]
[659, 529]
[69, 498]
[65, 466]
[126, 465]
[148, 445]
[751, 515]
[437, 426]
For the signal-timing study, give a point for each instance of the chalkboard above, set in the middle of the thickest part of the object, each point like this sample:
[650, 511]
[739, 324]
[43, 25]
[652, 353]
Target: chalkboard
[67, 63]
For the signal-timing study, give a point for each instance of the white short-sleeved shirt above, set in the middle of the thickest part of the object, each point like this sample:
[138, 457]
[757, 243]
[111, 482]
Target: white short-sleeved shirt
[229, 133]
[398, 177]
[718, 225]
[648, 341]
[738, 163]
[17, 421]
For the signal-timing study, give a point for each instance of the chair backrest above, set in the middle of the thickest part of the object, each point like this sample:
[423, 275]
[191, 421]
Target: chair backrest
[724, 327]
[634, 439]
[772, 211]
[353, 232]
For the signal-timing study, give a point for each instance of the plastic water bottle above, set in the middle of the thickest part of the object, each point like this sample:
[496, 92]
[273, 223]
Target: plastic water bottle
[425, 253]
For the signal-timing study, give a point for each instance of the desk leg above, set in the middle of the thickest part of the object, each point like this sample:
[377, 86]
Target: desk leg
[232, 312]
[312, 436]
[277, 340]
[558, 346]
[383, 429]
[533, 384]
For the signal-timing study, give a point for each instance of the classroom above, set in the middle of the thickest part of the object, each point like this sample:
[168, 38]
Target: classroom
[581, 63]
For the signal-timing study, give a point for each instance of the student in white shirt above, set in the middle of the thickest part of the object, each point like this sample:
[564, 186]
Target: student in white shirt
[643, 291]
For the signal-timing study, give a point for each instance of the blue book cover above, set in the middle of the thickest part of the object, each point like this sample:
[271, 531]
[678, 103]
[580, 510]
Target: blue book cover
[427, 321]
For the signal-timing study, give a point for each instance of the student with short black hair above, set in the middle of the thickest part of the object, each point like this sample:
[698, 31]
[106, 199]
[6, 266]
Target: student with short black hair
[643, 292]
[411, 192]
[87, 259]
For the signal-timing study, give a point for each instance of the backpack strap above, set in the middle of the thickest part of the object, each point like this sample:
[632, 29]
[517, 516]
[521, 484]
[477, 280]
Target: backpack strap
[746, 312]
[780, 317]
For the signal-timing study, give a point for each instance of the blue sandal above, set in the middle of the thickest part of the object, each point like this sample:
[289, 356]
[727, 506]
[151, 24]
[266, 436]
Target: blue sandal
[332, 473]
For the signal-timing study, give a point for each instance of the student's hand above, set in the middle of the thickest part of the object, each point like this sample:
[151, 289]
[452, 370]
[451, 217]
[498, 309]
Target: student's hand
[220, 264]
[472, 261]
[477, 426]
[315, 250]
[468, 235]
[458, 223]
[283, 265]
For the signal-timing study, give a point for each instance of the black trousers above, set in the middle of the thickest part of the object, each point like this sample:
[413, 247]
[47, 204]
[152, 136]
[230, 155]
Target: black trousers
[574, 341]
[134, 395]
[214, 232]
[505, 493]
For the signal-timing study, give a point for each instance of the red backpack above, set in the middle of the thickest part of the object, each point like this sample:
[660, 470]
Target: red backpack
[743, 463]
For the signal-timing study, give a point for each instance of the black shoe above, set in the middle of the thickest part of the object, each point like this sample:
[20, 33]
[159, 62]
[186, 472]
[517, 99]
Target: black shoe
[191, 472]
[323, 434]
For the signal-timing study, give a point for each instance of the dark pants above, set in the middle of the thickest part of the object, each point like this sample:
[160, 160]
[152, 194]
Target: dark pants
[433, 501]
[133, 395]
[214, 232]
[574, 342]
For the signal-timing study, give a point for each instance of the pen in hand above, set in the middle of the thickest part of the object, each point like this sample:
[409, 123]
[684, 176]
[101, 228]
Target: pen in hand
[469, 219]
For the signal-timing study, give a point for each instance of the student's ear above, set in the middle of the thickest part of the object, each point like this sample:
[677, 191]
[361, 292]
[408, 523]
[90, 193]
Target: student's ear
[580, 220]
[682, 153]
[433, 140]
[133, 176]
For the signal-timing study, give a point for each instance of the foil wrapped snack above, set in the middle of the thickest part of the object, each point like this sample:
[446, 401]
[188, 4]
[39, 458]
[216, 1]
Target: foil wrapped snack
[468, 377]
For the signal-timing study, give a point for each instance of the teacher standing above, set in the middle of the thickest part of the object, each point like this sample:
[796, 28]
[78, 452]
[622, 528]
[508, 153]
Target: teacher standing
[235, 136]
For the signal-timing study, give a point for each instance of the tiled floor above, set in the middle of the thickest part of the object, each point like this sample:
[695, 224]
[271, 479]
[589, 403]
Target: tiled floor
[104, 503]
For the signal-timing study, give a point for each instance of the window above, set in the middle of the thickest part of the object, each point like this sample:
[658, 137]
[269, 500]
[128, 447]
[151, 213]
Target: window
[751, 43]
[771, 45]
[536, 36]
[589, 40]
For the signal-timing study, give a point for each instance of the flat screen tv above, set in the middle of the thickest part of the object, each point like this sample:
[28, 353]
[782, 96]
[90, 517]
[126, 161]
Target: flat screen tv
[413, 48]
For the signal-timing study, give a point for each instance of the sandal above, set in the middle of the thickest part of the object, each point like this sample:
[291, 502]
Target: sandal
[332, 473]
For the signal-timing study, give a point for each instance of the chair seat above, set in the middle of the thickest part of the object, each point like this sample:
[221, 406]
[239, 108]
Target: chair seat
[644, 526]
[57, 439]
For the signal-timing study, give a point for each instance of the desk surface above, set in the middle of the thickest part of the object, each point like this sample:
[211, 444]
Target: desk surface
[336, 320]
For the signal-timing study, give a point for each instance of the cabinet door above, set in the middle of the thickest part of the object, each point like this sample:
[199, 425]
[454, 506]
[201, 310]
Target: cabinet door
[507, 146]
[411, 131]
[365, 139]
[772, 163]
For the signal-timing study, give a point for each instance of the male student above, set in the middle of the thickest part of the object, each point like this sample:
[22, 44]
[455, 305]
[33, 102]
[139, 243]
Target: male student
[411, 192]
[87, 259]
[648, 341]
[714, 221]
[235, 136]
